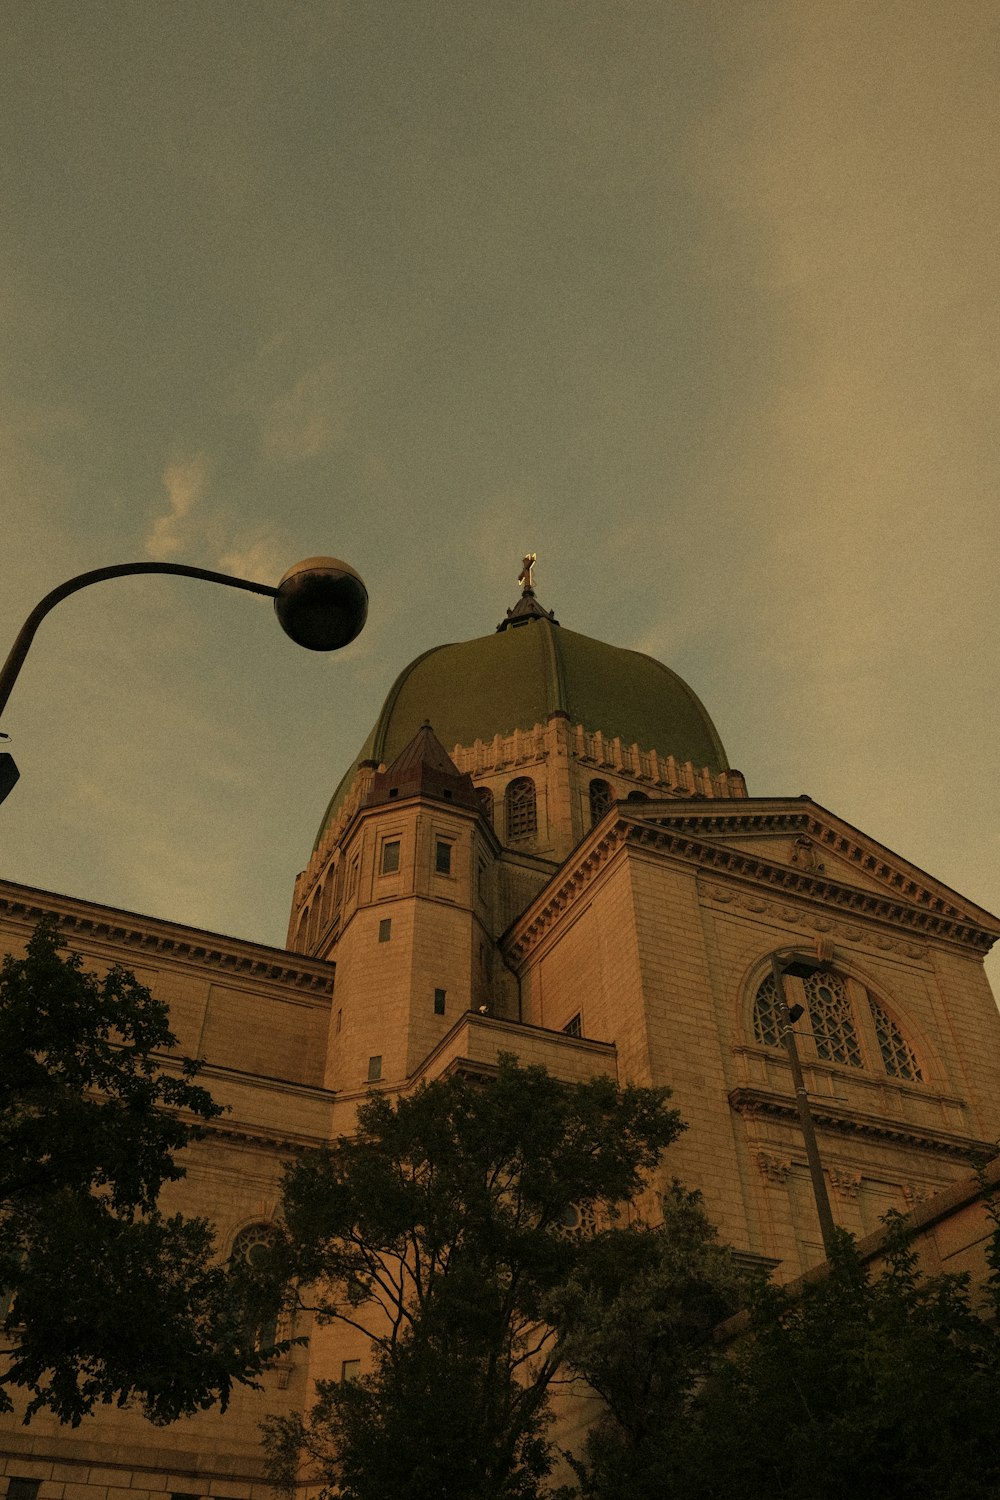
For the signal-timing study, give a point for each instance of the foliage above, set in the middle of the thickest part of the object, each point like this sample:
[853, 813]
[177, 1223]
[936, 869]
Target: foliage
[864, 1383]
[104, 1298]
[439, 1232]
[884, 1384]
[636, 1321]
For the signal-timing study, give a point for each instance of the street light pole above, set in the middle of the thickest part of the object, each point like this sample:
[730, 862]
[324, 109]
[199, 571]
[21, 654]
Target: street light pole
[801, 967]
[321, 603]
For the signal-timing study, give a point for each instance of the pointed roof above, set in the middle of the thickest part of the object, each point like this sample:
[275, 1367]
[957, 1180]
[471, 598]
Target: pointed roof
[423, 768]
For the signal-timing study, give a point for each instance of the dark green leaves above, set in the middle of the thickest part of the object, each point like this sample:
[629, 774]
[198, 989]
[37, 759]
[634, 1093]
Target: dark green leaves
[104, 1298]
[439, 1230]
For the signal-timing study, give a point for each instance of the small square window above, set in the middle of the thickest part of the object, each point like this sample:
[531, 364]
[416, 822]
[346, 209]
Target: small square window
[442, 858]
[390, 857]
[27, 1489]
[374, 1069]
[385, 929]
[350, 1369]
[439, 999]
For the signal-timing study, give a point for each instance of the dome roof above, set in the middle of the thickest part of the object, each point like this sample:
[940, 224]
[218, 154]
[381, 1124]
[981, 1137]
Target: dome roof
[518, 677]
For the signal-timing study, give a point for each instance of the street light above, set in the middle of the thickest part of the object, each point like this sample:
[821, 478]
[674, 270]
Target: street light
[321, 603]
[799, 966]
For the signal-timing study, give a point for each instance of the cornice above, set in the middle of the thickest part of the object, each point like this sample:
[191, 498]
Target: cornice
[906, 903]
[563, 891]
[262, 1140]
[901, 879]
[147, 936]
[934, 917]
[757, 1101]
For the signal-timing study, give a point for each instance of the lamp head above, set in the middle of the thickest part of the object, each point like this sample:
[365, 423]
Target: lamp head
[321, 603]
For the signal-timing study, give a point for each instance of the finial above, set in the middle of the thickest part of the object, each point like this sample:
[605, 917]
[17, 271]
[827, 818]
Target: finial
[527, 607]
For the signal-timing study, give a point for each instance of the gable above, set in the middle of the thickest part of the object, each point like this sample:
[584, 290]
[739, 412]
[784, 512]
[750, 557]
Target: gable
[800, 845]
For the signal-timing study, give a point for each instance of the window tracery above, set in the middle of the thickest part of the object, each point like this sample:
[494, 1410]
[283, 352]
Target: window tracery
[845, 1025]
[252, 1247]
[830, 1011]
[521, 809]
[897, 1054]
[601, 798]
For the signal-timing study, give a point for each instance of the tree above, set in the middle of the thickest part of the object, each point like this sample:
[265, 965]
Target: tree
[104, 1298]
[636, 1320]
[866, 1383]
[439, 1231]
[861, 1383]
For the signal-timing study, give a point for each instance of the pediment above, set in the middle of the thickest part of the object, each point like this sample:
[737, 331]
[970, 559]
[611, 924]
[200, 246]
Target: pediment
[797, 844]
[788, 847]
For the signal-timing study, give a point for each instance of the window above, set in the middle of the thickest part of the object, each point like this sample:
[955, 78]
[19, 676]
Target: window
[481, 879]
[522, 815]
[27, 1489]
[832, 1019]
[574, 1026]
[340, 1021]
[385, 929]
[390, 857]
[766, 1021]
[844, 1024]
[601, 799]
[374, 1069]
[638, 797]
[439, 999]
[897, 1054]
[350, 1369]
[575, 1223]
[252, 1248]
[353, 870]
[442, 858]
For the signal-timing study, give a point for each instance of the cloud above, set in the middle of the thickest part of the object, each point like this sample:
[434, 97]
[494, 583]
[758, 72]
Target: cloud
[263, 558]
[307, 418]
[184, 481]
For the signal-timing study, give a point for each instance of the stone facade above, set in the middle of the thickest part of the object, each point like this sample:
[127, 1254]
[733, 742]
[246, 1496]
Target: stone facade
[590, 905]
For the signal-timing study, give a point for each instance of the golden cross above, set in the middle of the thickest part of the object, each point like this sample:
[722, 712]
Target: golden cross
[524, 577]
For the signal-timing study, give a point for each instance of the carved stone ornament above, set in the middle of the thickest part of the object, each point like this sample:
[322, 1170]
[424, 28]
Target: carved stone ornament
[802, 917]
[804, 854]
[845, 1184]
[774, 1168]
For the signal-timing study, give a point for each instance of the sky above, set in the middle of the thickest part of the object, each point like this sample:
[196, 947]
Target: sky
[698, 301]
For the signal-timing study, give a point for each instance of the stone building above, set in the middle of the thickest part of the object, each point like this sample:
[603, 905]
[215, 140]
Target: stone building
[542, 849]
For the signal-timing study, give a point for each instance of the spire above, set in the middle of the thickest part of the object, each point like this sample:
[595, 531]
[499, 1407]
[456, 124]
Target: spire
[527, 608]
[423, 768]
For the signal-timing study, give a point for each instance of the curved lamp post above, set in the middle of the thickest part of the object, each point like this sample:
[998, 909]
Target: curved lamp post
[321, 603]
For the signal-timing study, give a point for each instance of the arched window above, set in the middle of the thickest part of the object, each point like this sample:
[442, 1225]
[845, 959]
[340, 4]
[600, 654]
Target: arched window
[897, 1054]
[638, 797]
[522, 814]
[846, 1025]
[601, 798]
[832, 1019]
[251, 1249]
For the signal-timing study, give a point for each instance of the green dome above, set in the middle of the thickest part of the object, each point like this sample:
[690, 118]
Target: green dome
[517, 678]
